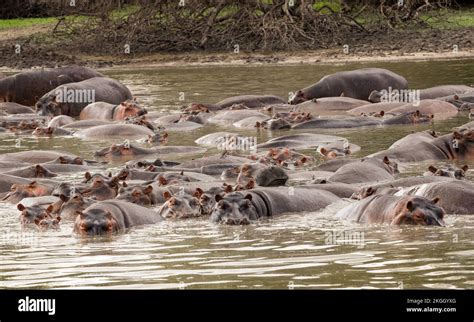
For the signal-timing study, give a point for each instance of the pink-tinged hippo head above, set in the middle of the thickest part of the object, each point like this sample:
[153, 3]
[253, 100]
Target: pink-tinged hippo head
[20, 191]
[48, 105]
[234, 209]
[39, 217]
[137, 195]
[128, 108]
[448, 171]
[420, 211]
[299, 97]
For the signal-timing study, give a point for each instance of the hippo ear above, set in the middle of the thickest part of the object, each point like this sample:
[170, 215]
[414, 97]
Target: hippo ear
[228, 188]
[456, 97]
[386, 160]
[250, 184]
[465, 167]
[32, 184]
[410, 206]
[49, 130]
[110, 175]
[182, 173]
[124, 184]
[432, 169]
[370, 191]
[148, 190]
[50, 208]
[58, 218]
[167, 195]
[323, 151]
[20, 207]
[382, 113]
[218, 198]
[165, 135]
[162, 180]
[63, 197]
[87, 175]
[198, 193]
[435, 200]
[248, 197]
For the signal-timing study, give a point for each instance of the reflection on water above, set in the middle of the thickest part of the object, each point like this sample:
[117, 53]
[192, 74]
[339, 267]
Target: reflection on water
[310, 250]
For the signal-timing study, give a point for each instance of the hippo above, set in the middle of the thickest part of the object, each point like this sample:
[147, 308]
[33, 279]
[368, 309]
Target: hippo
[25, 88]
[302, 141]
[252, 122]
[35, 171]
[84, 124]
[249, 169]
[180, 206]
[32, 189]
[431, 92]
[60, 120]
[366, 170]
[414, 138]
[342, 190]
[232, 116]
[35, 156]
[329, 153]
[71, 99]
[454, 146]
[130, 150]
[111, 131]
[240, 208]
[107, 111]
[465, 127]
[249, 101]
[357, 84]
[112, 216]
[15, 108]
[329, 105]
[71, 205]
[227, 141]
[271, 176]
[50, 131]
[368, 109]
[393, 210]
[450, 171]
[157, 139]
[101, 189]
[139, 195]
[39, 216]
[437, 108]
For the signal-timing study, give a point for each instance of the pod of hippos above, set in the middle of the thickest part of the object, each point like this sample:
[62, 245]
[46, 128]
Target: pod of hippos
[228, 177]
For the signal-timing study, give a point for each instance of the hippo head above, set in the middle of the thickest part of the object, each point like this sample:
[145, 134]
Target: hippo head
[333, 153]
[206, 201]
[137, 195]
[49, 223]
[277, 124]
[299, 97]
[88, 177]
[20, 191]
[180, 206]
[102, 189]
[95, 222]
[363, 193]
[157, 138]
[128, 108]
[69, 160]
[71, 205]
[420, 211]
[41, 172]
[196, 107]
[234, 209]
[463, 144]
[451, 172]
[117, 150]
[271, 176]
[230, 173]
[33, 215]
[375, 97]
[48, 105]
[42, 130]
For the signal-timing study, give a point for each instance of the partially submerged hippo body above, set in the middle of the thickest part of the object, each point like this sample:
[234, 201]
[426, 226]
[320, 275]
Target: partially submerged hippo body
[357, 84]
[60, 120]
[430, 93]
[249, 101]
[25, 88]
[35, 171]
[454, 146]
[414, 138]
[439, 109]
[329, 105]
[111, 131]
[31, 189]
[450, 171]
[393, 210]
[366, 170]
[15, 108]
[108, 217]
[34, 156]
[303, 141]
[132, 150]
[107, 111]
[71, 99]
[243, 207]
[39, 216]
[374, 108]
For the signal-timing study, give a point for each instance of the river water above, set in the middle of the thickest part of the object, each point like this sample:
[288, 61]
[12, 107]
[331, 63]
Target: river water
[306, 250]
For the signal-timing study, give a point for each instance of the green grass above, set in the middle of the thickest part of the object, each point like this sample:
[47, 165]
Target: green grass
[450, 19]
[25, 22]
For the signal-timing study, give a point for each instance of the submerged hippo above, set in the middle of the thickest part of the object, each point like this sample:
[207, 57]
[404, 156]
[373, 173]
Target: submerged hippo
[35, 156]
[25, 88]
[32, 189]
[130, 150]
[239, 208]
[15, 108]
[71, 99]
[60, 120]
[110, 131]
[180, 206]
[366, 170]
[430, 93]
[72, 205]
[449, 171]
[107, 111]
[36, 171]
[392, 210]
[454, 146]
[414, 138]
[329, 105]
[113, 216]
[39, 216]
[248, 101]
[357, 84]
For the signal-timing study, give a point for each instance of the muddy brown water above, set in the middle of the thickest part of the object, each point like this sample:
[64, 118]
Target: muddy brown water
[307, 250]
